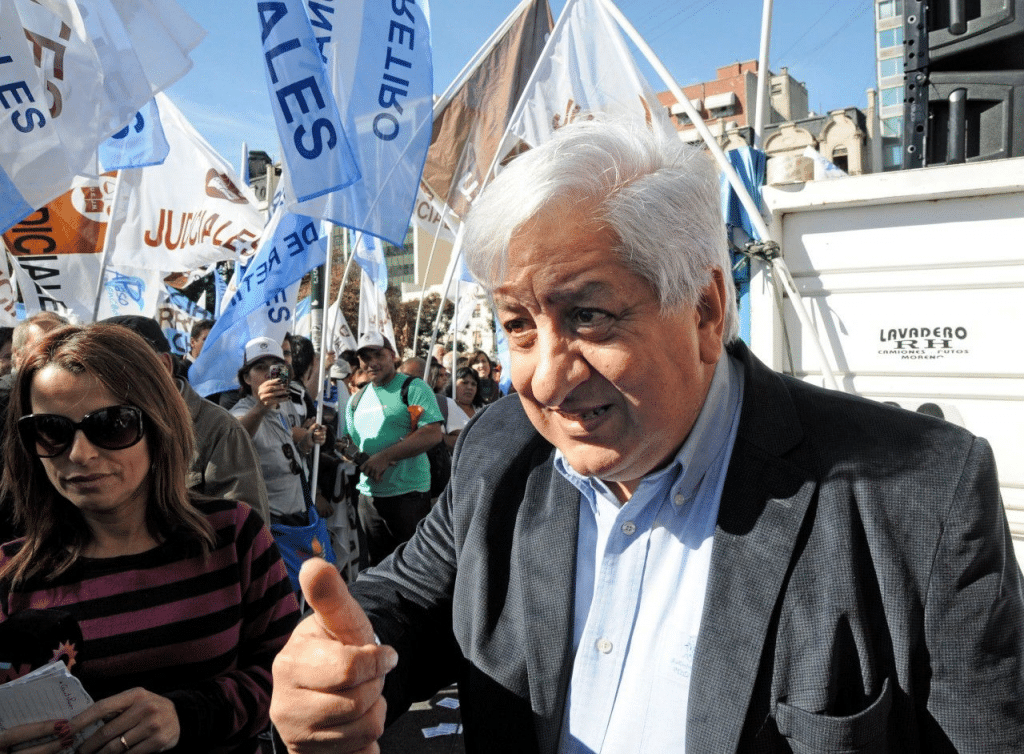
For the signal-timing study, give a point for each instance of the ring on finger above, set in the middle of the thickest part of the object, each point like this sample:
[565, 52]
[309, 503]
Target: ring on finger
[125, 744]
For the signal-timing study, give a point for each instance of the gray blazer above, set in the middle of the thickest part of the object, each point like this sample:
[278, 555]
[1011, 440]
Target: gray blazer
[863, 595]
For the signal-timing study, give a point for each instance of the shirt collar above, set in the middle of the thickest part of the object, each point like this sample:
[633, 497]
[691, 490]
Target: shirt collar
[685, 472]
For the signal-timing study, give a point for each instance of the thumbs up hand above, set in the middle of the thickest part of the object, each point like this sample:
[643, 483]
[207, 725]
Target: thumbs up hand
[329, 677]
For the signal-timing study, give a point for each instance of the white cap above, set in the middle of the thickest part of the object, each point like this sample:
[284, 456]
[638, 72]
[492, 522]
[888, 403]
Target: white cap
[257, 348]
[374, 339]
[340, 370]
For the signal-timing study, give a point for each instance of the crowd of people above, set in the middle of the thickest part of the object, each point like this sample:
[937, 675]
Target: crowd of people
[657, 545]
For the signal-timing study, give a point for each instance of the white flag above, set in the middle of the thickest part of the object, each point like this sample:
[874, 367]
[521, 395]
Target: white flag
[75, 72]
[586, 67]
[185, 213]
[373, 310]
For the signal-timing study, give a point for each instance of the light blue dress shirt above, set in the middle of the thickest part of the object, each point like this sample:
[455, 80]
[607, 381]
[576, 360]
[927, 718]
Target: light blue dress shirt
[641, 575]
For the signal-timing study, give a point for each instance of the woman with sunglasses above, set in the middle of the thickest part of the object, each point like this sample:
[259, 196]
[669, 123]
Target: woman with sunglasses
[183, 601]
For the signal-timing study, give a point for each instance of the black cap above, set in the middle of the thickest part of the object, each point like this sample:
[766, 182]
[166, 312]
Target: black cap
[147, 327]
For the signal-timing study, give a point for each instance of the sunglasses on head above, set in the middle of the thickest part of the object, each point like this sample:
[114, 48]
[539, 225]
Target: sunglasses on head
[110, 428]
[290, 455]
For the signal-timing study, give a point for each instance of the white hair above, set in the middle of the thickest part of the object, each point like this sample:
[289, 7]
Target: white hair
[659, 196]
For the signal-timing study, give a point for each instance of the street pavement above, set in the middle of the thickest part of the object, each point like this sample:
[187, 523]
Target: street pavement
[437, 716]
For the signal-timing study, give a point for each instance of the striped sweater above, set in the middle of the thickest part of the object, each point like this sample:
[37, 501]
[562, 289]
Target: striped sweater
[200, 630]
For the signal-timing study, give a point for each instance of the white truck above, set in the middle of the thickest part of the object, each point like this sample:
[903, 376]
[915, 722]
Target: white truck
[915, 283]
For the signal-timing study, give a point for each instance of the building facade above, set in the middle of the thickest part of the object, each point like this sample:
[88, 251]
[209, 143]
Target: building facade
[889, 62]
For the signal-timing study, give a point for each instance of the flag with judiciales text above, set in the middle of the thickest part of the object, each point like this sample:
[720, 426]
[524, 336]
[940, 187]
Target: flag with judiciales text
[188, 211]
[378, 61]
[470, 123]
[586, 68]
[314, 143]
[261, 297]
[75, 72]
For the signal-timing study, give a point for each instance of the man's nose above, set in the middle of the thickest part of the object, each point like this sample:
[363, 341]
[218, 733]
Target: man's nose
[558, 368]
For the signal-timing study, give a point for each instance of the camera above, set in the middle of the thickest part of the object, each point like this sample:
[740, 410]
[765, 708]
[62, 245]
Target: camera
[278, 372]
[352, 452]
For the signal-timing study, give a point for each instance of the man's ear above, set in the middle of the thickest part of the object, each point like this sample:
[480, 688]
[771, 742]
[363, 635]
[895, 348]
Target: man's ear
[711, 318]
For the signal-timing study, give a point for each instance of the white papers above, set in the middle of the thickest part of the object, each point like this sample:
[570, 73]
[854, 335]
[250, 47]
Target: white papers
[47, 693]
[444, 729]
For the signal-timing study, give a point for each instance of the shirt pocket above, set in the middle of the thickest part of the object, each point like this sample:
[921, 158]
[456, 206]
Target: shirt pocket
[811, 733]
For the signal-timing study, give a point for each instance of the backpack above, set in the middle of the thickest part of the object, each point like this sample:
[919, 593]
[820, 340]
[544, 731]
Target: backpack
[439, 456]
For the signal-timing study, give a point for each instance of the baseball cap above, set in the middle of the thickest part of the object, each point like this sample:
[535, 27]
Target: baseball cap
[374, 339]
[259, 348]
[147, 327]
[340, 370]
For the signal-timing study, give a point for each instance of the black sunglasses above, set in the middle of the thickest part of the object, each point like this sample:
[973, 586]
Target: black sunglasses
[110, 428]
[290, 455]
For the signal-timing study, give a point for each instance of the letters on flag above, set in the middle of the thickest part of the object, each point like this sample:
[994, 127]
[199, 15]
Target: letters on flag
[469, 129]
[313, 139]
[71, 74]
[379, 63]
[139, 144]
[187, 212]
[56, 250]
[291, 246]
[586, 67]
[176, 314]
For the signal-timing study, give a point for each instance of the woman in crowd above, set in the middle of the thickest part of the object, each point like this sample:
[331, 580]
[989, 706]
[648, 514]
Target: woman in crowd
[183, 601]
[467, 391]
[488, 388]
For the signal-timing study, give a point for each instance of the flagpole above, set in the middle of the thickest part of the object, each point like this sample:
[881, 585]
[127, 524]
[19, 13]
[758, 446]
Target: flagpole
[107, 241]
[423, 289]
[324, 335]
[753, 211]
[763, 78]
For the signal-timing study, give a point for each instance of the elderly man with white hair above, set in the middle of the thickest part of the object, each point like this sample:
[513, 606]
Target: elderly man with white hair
[658, 544]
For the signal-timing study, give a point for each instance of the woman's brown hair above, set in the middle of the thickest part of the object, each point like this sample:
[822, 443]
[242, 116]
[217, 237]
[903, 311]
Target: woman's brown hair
[55, 531]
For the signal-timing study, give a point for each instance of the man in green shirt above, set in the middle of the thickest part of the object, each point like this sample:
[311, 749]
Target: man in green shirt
[394, 432]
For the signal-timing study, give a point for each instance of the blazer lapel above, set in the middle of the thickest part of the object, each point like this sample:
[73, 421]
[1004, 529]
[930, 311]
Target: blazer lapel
[763, 506]
[546, 563]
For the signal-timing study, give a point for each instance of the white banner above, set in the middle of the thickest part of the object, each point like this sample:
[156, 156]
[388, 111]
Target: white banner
[128, 290]
[586, 67]
[187, 212]
[74, 72]
[373, 311]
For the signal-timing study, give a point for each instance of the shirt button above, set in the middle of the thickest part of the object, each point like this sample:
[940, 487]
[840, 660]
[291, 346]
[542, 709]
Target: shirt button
[604, 646]
[629, 528]
[679, 499]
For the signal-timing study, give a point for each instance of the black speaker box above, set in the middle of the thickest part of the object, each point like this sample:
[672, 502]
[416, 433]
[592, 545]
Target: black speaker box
[975, 35]
[974, 116]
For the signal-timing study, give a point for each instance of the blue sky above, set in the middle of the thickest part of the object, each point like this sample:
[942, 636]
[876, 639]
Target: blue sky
[827, 44]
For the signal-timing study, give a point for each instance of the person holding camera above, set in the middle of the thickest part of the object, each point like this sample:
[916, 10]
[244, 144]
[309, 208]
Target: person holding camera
[263, 383]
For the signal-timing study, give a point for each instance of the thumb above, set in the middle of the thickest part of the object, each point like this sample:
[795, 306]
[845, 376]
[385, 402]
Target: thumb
[336, 611]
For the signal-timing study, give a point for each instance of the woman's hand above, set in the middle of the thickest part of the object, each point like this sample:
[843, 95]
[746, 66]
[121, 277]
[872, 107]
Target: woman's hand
[137, 721]
[21, 734]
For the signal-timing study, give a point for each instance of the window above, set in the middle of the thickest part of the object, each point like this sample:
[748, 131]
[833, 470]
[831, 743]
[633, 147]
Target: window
[890, 67]
[893, 127]
[892, 155]
[892, 95]
[890, 9]
[890, 38]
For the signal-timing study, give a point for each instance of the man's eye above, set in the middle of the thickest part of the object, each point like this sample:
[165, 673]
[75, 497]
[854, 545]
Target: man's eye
[514, 326]
[590, 318]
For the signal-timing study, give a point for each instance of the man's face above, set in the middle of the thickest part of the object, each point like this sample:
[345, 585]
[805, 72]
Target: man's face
[197, 343]
[286, 350]
[379, 364]
[603, 374]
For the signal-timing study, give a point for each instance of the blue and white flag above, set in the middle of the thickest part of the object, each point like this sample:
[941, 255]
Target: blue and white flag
[370, 256]
[290, 247]
[75, 72]
[176, 314]
[139, 144]
[313, 139]
[379, 64]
